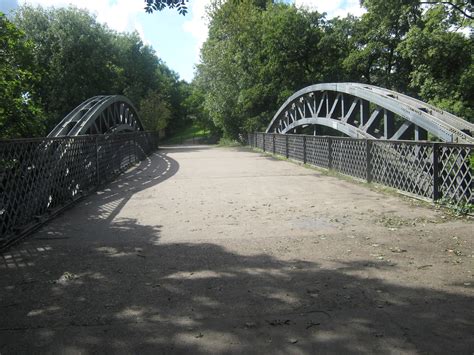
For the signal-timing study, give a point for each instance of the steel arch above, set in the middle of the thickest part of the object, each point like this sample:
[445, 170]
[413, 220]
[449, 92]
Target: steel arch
[100, 115]
[367, 111]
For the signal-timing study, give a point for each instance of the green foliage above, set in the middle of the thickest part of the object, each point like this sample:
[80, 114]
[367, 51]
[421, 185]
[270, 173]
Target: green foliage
[154, 111]
[190, 133]
[228, 142]
[76, 58]
[459, 209]
[196, 110]
[20, 113]
[158, 5]
[74, 53]
[429, 48]
[254, 58]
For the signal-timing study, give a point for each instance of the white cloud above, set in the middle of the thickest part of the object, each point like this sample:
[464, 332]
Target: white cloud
[120, 15]
[332, 8]
[197, 26]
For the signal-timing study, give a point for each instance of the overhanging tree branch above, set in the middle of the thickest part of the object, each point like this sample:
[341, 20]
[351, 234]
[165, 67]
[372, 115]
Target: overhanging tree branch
[158, 5]
[449, 3]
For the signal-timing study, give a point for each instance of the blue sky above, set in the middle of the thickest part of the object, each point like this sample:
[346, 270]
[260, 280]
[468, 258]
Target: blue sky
[177, 39]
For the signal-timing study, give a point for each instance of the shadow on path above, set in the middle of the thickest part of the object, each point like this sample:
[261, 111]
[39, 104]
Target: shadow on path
[140, 297]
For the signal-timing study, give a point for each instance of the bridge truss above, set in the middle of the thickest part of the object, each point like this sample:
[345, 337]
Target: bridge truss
[366, 111]
[100, 115]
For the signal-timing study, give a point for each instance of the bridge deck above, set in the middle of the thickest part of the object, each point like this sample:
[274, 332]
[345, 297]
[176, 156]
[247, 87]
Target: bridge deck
[207, 249]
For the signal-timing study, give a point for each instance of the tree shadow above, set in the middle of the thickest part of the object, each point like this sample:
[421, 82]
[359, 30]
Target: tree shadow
[154, 169]
[134, 295]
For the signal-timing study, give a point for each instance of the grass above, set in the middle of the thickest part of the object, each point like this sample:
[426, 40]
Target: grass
[227, 142]
[187, 133]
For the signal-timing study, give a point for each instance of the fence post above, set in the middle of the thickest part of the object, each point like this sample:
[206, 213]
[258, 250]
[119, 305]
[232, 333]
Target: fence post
[97, 165]
[135, 150]
[273, 147]
[304, 149]
[263, 140]
[436, 178]
[286, 147]
[329, 153]
[368, 160]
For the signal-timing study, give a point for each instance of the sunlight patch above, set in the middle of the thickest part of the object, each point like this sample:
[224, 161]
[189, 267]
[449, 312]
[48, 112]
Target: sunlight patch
[205, 274]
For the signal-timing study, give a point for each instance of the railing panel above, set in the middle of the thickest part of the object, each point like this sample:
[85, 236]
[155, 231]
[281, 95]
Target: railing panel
[280, 145]
[407, 167]
[260, 140]
[38, 176]
[317, 151]
[269, 143]
[456, 165]
[348, 157]
[295, 147]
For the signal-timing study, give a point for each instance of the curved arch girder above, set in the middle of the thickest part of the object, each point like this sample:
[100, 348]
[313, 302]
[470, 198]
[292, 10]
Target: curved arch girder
[100, 115]
[365, 111]
[345, 128]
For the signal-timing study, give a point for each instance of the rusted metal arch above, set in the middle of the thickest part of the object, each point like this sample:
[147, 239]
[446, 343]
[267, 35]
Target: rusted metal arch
[366, 111]
[100, 115]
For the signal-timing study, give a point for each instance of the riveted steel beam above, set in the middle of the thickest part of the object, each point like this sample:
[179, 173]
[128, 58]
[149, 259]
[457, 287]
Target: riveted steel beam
[360, 110]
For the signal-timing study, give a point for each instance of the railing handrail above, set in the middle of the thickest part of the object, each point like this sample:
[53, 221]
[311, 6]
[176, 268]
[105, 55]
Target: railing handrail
[410, 142]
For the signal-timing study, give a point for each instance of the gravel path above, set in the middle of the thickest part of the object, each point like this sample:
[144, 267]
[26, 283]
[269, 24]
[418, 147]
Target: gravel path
[216, 250]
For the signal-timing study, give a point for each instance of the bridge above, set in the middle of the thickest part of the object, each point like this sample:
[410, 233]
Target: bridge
[204, 249]
[103, 136]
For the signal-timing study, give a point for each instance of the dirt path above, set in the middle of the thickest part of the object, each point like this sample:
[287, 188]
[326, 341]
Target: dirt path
[206, 249]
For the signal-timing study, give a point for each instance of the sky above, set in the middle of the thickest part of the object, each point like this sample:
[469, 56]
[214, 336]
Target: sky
[177, 39]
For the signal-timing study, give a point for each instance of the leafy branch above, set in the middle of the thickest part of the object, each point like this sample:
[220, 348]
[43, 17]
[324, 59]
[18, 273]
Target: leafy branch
[454, 6]
[158, 5]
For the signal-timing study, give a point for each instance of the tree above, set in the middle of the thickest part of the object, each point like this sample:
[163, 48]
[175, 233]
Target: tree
[155, 112]
[442, 63]
[74, 53]
[79, 58]
[20, 112]
[196, 110]
[158, 5]
[463, 8]
[377, 35]
[254, 58]
[136, 67]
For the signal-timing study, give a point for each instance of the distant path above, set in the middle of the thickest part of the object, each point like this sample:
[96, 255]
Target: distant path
[204, 249]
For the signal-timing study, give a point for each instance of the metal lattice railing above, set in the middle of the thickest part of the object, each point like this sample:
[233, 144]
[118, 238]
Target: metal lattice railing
[430, 170]
[260, 140]
[268, 143]
[280, 145]
[348, 157]
[455, 173]
[39, 176]
[295, 147]
[404, 166]
[317, 151]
